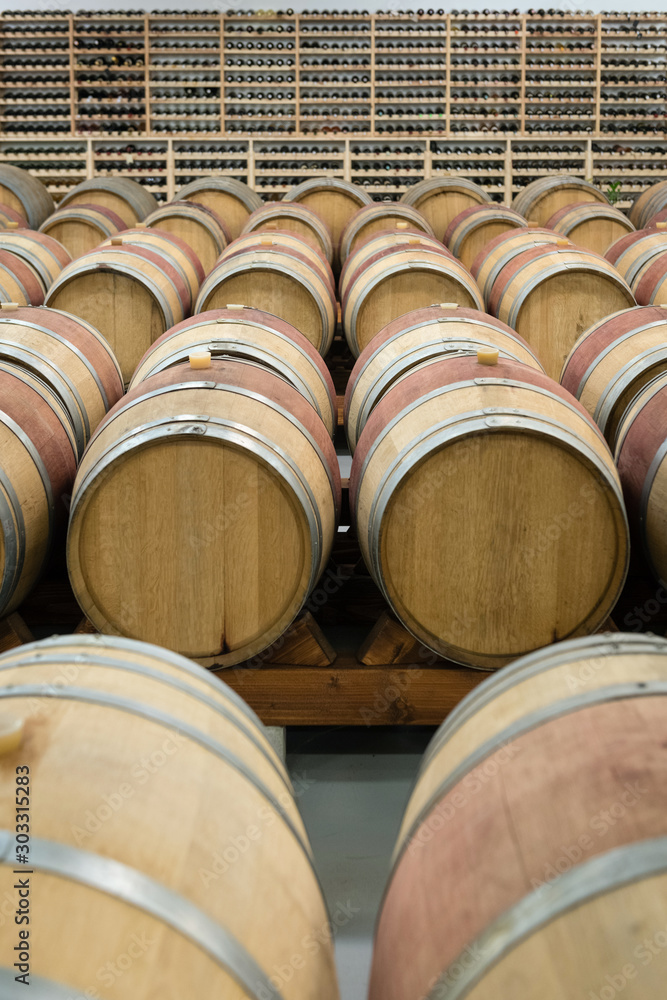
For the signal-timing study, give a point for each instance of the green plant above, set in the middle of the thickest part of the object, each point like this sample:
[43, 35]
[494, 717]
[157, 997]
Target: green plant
[613, 192]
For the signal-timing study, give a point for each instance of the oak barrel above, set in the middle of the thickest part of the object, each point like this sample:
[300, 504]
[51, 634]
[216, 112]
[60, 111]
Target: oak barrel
[264, 242]
[292, 217]
[200, 227]
[25, 194]
[176, 251]
[551, 294]
[499, 251]
[19, 282]
[148, 865]
[473, 228]
[232, 200]
[130, 294]
[532, 860]
[631, 253]
[658, 221]
[122, 195]
[11, 219]
[37, 467]
[467, 477]
[647, 203]
[381, 241]
[415, 340]
[650, 284]
[397, 280]
[591, 225]
[279, 280]
[641, 446]
[440, 199]
[335, 201]
[377, 218]
[82, 227]
[540, 199]
[42, 253]
[613, 360]
[253, 336]
[241, 501]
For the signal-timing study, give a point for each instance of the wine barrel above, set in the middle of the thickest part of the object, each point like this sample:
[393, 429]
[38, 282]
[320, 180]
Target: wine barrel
[335, 201]
[640, 456]
[69, 357]
[378, 218]
[264, 242]
[130, 294]
[11, 219]
[416, 340]
[499, 251]
[460, 459]
[647, 203]
[591, 225]
[292, 217]
[19, 282]
[380, 242]
[650, 284]
[231, 200]
[38, 466]
[105, 844]
[125, 197]
[533, 848]
[26, 194]
[173, 249]
[613, 360]
[200, 227]
[398, 280]
[242, 503]
[44, 255]
[249, 335]
[80, 228]
[632, 252]
[540, 199]
[280, 281]
[658, 221]
[441, 199]
[551, 294]
[473, 228]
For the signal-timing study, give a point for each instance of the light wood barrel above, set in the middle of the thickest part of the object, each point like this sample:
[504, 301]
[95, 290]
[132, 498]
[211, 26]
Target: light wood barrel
[416, 340]
[647, 203]
[379, 242]
[551, 294]
[440, 199]
[540, 199]
[11, 219]
[591, 225]
[42, 253]
[175, 250]
[473, 228]
[25, 194]
[198, 226]
[650, 284]
[542, 799]
[658, 221]
[277, 280]
[19, 282]
[459, 460]
[613, 360]
[499, 251]
[232, 200]
[80, 228]
[640, 455]
[38, 466]
[378, 218]
[396, 281]
[130, 294]
[335, 201]
[242, 502]
[106, 852]
[292, 217]
[255, 337]
[125, 197]
[264, 242]
[69, 357]
[632, 252]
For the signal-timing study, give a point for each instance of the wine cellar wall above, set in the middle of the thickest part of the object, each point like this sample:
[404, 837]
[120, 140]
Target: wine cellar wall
[383, 100]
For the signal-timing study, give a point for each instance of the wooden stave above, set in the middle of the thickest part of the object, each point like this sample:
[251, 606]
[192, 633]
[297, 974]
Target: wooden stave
[362, 225]
[176, 217]
[397, 404]
[283, 262]
[355, 412]
[499, 251]
[11, 219]
[420, 194]
[570, 220]
[127, 197]
[174, 250]
[644, 205]
[19, 282]
[383, 242]
[213, 192]
[33, 200]
[261, 242]
[310, 191]
[465, 227]
[103, 221]
[310, 226]
[535, 200]
[650, 283]
[629, 254]
[322, 395]
[308, 913]
[264, 388]
[42, 253]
